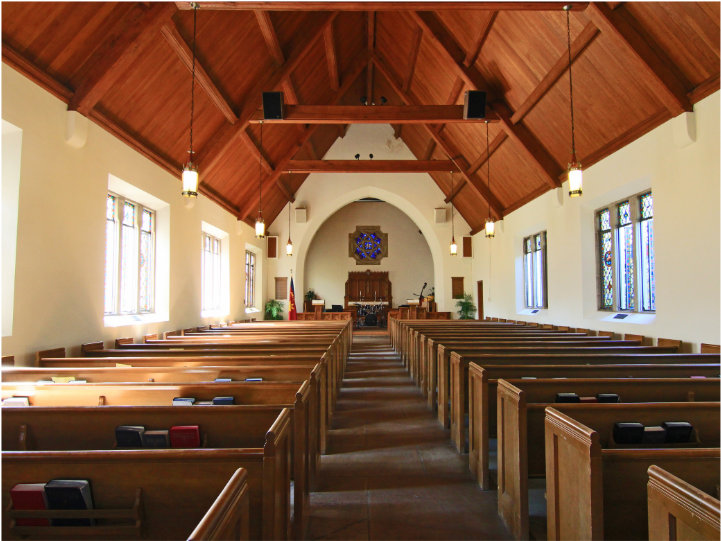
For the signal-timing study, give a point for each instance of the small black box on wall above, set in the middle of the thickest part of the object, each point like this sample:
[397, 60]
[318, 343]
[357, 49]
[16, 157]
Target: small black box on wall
[272, 105]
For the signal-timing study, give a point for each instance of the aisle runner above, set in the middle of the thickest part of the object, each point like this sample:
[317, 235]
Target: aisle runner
[390, 471]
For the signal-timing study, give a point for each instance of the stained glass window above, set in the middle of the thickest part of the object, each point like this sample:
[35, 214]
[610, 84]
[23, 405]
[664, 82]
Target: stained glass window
[534, 262]
[129, 257]
[211, 273]
[368, 246]
[627, 270]
[249, 279]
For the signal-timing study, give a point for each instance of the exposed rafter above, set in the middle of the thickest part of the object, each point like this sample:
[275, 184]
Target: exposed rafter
[115, 57]
[371, 45]
[361, 114]
[17, 61]
[384, 6]
[473, 53]
[270, 36]
[178, 44]
[445, 43]
[651, 65]
[447, 147]
[274, 177]
[331, 58]
[475, 166]
[222, 139]
[368, 166]
[255, 150]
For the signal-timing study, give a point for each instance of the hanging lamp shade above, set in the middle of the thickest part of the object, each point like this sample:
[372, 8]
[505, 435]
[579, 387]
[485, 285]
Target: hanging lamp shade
[190, 180]
[490, 228]
[575, 180]
[259, 227]
[454, 247]
[289, 244]
[259, 222]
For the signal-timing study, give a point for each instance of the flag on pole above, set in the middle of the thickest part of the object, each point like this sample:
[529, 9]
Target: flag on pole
[292, 310]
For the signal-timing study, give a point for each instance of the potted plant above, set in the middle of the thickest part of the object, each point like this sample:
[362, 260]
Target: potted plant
[273, 310]
[466, 308]
[308, 303]
[309, 295]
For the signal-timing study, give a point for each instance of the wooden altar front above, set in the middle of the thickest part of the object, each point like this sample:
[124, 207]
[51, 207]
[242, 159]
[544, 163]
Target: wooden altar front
[369, 287]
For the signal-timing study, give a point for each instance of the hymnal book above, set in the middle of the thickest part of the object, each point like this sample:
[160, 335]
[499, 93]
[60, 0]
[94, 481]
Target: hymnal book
[185, 436]
[567, 398]
[224, 400]
[677, 431]
[628, 432]
[223, 380]
[183, 401]
[608, 398]
[253, 379]
[16, 402]
[129, 436]
[26, 496]
[156, 439]
[69, 494]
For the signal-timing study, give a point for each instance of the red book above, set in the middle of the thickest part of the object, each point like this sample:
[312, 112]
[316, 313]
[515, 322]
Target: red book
[185, 436]
[27, 496]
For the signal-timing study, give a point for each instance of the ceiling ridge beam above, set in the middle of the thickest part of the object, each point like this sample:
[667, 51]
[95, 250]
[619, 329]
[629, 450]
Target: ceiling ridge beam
[270, 36]
[444, 42]
[112, 59]
[582, 41]
[331, 58]
[29, 69]
[473, 54]
[650, 61]
[442, 142]
[274, 177]
[185, 54]
[223, 137]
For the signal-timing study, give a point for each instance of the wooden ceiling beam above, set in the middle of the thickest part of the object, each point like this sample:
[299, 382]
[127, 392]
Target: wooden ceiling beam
[368, 166]
[450, 150]
[21, 64]
[258, 154]
[115, 57]
[274, 177]
[382, 6]
[473, 53]
[270, 36]
[331, 58]
[582, 41]
[475, 166]
[414, 59]
[445, 43]
[291, 96]
[372, 114]
[224, 137]
[185, 54]
[651, 65]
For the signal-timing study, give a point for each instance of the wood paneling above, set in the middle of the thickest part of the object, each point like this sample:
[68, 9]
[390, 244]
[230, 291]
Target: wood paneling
[457, 287]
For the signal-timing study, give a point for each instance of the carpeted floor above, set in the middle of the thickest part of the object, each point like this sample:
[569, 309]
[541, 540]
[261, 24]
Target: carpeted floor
[390, 471]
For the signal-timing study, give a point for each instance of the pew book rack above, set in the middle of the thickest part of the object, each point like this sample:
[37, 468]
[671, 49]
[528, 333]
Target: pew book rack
[115, 523]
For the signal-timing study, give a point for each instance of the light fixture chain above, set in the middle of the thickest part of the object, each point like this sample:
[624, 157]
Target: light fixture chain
[260, 172]
[570, 84]
[488, 169]
[192, 84]
[453, 231]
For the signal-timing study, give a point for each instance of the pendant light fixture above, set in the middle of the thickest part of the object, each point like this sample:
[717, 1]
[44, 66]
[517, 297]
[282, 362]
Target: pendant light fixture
[454, 246]
[289, 245]
[575, 174]
[190, 170]
[259, 223]
[490, 224]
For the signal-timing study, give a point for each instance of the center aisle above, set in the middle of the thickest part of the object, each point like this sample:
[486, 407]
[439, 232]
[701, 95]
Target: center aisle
[390, 471]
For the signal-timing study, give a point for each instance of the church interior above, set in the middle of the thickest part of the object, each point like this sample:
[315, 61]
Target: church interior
[437, 201]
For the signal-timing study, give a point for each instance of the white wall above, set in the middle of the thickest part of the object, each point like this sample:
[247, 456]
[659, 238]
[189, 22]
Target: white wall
[416, 195]
[61, 222]
[409, 263]
[684, 177]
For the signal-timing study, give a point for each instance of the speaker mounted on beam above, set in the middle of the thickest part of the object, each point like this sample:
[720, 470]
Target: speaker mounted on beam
[272, 105]
[474, 104]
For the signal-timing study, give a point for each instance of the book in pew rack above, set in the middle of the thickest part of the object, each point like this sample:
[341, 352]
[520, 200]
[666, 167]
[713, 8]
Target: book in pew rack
[29, 496]
[69, 494]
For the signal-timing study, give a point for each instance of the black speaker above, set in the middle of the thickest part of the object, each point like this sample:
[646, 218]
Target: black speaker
[272, 105]
[474, 104]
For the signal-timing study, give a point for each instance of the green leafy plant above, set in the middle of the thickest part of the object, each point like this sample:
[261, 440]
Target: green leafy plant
[309, 295]
[273, 310]
[466, 308]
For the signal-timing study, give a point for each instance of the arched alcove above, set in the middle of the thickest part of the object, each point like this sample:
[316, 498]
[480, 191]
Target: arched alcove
[409, 262]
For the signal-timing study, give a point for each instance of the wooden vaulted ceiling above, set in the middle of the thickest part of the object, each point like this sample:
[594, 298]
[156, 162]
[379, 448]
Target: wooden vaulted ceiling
[126, 66]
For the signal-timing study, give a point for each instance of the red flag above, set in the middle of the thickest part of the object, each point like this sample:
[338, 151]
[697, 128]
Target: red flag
[292, 311]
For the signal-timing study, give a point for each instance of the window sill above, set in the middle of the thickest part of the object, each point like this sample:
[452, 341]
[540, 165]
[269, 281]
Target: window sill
[134, 319]
[214, 313]
[252, 310]
[530, 311]
[631, 317]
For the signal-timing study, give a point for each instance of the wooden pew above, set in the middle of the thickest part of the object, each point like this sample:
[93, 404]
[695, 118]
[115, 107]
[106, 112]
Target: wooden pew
[178, 485]
[482, 413]
[520, 414]
[453, 371]
[229, 516]
[680, 510]
[597, 490]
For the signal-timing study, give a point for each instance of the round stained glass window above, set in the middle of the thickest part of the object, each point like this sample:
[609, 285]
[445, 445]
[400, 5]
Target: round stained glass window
[368, 246]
